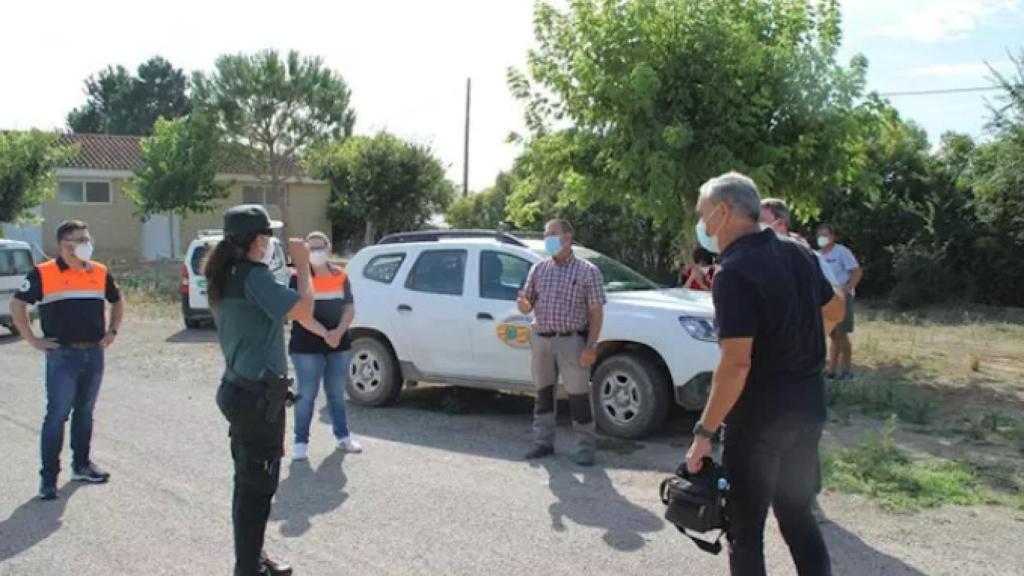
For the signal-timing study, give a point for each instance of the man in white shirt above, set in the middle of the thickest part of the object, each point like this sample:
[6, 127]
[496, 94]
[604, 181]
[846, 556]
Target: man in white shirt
[848, 274]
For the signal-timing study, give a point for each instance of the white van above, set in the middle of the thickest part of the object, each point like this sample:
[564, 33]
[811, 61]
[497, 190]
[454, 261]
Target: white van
[16, 261]
[195, 306]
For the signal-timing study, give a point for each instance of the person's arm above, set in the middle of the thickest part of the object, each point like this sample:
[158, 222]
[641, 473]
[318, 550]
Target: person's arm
[116, 300]
[30, 292]
[856, 275]
[595, 304]
[528, 295]
[302, 310]
[348, 313]
[20, 317]
[736, 317]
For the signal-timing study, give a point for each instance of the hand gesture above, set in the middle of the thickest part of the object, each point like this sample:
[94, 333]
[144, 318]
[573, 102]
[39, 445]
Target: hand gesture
[108, 339]
[42, 344]
[298, 249]
[333, 338]
[699, 449]
[588, 357]
[524, 303]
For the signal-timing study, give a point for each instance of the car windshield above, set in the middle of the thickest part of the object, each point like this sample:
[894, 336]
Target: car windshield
[617, 276]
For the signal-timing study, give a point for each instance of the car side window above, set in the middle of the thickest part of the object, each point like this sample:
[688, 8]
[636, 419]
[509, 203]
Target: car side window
[383, 268]
[501, 275]
[439, 272]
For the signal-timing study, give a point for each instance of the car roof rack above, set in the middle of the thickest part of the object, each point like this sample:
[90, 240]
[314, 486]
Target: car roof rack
[436, 235]
[208, 232]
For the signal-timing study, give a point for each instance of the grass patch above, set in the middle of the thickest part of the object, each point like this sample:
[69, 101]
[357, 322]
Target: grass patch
[879, 469]
[878, 395]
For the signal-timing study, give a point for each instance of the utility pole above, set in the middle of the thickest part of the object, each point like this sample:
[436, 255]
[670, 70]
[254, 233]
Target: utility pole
[465, 151]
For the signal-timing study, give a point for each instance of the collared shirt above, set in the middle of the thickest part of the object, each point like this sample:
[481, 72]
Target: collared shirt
[772, 291]
[250, 321]
[71, 300]
[332, 292]
[562, 295]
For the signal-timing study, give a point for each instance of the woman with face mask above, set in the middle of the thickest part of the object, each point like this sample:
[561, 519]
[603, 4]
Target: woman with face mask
[321, 349]
[250, 308]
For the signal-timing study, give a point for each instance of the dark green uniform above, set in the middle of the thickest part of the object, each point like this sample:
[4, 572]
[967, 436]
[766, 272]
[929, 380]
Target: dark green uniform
[250, 326]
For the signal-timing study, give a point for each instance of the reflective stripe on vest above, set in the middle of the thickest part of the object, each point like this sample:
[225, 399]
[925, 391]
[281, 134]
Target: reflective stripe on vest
[330, 286]
[72, 284]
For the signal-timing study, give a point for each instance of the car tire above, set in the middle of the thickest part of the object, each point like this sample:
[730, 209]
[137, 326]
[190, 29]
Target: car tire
[374, 377]
[630, 396]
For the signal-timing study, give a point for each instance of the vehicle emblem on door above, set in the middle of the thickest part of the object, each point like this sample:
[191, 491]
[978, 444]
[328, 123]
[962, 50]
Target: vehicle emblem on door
[515, 331]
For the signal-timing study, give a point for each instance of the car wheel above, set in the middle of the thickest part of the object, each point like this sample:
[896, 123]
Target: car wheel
[630, 395]
[374, 378]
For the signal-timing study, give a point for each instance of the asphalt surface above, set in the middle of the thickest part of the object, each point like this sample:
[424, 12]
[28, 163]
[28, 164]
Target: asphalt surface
[440, 489]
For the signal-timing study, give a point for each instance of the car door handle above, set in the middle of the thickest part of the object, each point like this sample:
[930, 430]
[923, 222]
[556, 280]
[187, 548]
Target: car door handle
[404, 308]
[484, 316]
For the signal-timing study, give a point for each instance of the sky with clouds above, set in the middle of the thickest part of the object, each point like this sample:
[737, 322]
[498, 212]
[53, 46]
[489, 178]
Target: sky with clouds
[407, 60]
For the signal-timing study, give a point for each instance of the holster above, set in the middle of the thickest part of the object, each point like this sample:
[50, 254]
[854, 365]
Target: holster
[278, 394]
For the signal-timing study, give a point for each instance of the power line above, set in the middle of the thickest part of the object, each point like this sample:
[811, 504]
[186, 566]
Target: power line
[942, 91]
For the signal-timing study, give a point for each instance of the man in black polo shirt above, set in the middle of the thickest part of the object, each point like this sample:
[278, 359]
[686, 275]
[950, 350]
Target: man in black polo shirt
[72, 292]
[772, 306]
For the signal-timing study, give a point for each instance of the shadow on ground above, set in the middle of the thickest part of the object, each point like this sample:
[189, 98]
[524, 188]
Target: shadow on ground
[587, 497]
[193, 336]
[307, 493]
[33, 522]
[851, 556]
[439, 409]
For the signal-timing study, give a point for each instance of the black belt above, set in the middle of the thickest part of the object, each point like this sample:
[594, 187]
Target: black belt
[582, 333]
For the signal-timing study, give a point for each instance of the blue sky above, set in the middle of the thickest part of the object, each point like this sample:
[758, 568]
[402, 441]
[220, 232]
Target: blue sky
[407, 60]
[935, 44]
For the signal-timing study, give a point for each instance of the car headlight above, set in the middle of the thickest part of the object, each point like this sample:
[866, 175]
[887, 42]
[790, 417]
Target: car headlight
[700, 328]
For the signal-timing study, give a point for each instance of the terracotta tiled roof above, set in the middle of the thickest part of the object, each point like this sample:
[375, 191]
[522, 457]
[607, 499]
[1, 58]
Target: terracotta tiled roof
[124, 153]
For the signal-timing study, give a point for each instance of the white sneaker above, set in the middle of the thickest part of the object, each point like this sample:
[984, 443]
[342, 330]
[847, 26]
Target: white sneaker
[349, 444]
[301, 451]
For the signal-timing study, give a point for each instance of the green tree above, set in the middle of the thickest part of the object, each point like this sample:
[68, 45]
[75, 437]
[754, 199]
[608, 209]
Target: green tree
[659, 96]
[27, 161]
[485, 209]
[119, 103]
[380, 185]
[275, 109]
[178, 170]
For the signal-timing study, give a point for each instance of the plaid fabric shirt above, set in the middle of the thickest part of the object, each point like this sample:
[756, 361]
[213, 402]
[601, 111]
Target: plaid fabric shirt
[562, 295]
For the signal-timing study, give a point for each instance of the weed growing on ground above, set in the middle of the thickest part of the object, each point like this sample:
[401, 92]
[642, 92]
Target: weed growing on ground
[879, 469]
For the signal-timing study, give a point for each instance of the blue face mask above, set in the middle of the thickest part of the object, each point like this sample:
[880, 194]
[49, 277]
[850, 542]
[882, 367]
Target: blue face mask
[709, 243]
[553, 244]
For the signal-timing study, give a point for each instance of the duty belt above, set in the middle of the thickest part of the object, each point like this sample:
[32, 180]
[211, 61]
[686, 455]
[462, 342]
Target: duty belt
[582, 333]
[274, 391]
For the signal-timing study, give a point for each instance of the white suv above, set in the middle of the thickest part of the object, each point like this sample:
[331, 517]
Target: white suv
[439, 306]
[195, 306]
[15, 262]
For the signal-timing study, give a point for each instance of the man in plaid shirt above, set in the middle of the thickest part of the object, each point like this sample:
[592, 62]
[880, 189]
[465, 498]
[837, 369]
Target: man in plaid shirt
[566, 295]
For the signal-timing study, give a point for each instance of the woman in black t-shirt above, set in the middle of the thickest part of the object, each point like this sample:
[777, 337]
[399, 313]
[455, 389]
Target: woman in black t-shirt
[320, 349]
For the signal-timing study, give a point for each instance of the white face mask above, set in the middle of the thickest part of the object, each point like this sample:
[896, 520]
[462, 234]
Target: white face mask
[823, 241]
[83, 251]
[318, 257]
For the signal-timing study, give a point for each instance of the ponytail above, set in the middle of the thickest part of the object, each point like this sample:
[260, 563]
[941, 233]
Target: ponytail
[228, 253]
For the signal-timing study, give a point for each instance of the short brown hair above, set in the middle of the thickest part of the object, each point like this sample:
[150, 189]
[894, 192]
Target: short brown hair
[826, 226]
[67, 227]
[564, 225]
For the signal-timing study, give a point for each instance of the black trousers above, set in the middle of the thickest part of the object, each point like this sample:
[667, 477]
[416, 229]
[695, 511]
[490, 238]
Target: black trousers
[774, 464]
[257, 446]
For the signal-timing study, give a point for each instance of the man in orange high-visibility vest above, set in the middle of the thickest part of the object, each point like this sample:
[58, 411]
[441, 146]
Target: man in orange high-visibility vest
[72, 292]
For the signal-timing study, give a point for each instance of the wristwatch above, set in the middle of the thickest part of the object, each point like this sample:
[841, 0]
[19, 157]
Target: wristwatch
[592, 345]
[700, 430]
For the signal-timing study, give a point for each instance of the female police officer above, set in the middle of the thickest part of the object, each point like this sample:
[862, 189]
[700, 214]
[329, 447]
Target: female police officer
[250, 309]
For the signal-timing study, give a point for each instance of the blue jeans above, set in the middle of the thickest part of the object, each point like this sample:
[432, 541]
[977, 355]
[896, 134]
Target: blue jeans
[72, 384]
[310, 370]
